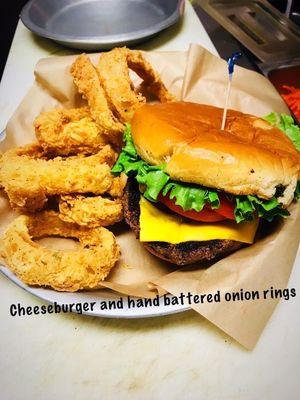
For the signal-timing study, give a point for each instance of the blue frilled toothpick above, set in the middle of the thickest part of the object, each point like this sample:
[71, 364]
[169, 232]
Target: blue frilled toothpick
[231, 62]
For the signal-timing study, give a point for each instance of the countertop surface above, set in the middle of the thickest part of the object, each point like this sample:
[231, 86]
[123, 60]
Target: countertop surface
[180, 356]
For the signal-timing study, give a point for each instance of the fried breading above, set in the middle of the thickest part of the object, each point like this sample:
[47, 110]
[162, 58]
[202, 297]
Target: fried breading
[87, 80]
[114, 77]
[73, 131]
[71, 164]
[63, 270]
[113, 69]
[90, 211]
[117, 186]
[152, 82]
[29, 181]
[32, 150]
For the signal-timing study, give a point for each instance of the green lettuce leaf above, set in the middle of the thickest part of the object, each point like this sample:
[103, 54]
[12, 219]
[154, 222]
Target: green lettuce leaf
[155, 180]
[286, 124]
[152, 177]
[244, 210]
[297, 191]
[128, 159]
[190, 197]
[248, 206]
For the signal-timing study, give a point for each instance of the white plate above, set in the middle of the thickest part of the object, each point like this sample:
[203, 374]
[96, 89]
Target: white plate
[52, 296]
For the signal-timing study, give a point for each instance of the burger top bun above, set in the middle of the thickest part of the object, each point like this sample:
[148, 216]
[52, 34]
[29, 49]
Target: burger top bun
[248, 157]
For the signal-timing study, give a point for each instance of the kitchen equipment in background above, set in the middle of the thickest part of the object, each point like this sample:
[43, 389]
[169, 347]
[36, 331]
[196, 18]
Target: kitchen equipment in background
[100, 24]
[291, 8]
[261, 28]
[267, 33]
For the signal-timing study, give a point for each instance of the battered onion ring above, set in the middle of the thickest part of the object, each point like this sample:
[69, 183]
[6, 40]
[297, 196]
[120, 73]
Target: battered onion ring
[96, 210]
[87, 80]
[62, 270]
[114, 77]
[118, 186]
[151, 79]
[113, 69]
[90, 211]
[73, 131]
[29, 181]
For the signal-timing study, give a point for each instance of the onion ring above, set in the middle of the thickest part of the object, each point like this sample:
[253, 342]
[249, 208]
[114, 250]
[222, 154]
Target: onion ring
[94, 211]
[87, 80]
[62, 270]
[90, 211]
[65, 132]
[151, 79]
[113, 70]
[29, 181]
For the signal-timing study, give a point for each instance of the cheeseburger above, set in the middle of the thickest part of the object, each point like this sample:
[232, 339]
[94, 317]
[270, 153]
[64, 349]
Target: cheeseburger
[196, 192]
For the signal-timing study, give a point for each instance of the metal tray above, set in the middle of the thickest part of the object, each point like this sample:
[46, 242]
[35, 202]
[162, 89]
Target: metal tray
[100, 24]
[258, 26]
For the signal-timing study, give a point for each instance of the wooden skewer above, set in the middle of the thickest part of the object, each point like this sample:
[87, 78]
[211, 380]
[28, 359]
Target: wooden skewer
[231, 62]
[226, 103]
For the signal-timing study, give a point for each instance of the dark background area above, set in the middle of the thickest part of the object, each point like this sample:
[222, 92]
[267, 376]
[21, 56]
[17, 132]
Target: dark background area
[9, 11]
[224, 42]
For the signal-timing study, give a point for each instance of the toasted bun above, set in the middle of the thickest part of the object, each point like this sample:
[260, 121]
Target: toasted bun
[248, 157]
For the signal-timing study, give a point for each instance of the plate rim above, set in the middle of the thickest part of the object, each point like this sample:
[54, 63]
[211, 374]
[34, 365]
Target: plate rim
[102, 39]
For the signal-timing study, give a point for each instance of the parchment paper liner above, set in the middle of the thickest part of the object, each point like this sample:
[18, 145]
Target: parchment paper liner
[197, 76]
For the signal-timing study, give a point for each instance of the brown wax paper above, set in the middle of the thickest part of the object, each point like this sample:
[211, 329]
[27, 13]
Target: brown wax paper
[198, 76]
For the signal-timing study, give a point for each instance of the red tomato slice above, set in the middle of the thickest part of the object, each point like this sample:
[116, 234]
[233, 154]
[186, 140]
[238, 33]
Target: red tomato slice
[226, 207]
[206, 215]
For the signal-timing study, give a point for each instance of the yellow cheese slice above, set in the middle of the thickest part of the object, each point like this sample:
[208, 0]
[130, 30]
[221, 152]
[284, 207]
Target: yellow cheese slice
[158, 226]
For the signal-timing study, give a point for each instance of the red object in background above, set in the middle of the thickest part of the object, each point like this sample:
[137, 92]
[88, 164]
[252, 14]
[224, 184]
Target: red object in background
[292, 99]
[287, 77]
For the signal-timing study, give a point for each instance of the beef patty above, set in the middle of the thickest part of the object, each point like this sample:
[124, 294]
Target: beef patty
[181, 253]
